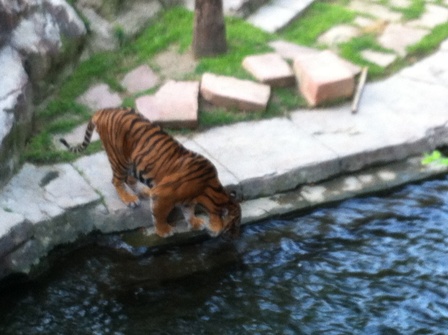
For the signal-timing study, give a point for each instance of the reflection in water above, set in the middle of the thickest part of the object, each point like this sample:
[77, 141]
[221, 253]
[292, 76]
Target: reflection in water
[375, 265]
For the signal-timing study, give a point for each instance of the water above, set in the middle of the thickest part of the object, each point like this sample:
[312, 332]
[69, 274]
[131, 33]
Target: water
[375, 265]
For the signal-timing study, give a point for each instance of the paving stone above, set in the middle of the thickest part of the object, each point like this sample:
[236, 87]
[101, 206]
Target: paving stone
[97, 171]
[69, 189]
[433, 70]
[23, 195]
[271, 18]
[14, 231]
[427, 116]
[338, 34]
[249, 153]
[444, 45]
[375, 10]
[322, 78]
[400, 3]
[231, 92]
[398, 37]
[140, 79]
[174, 105]
[382, 59]
[373, 135]
[290, 50]
[100, 96]
[433, 16]
[363, 21]
[270, 69]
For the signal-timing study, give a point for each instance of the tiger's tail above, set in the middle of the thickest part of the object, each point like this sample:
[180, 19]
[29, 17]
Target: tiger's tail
[87, 137]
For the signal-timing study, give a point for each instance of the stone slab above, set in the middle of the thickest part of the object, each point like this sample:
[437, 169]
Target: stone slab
[100, 96]
[323, 78]
[271, 18]
[432, 70]
[14, 230]
[69, 189]
[231, 92]
[382, 59]
[290, 50]
[174, 105]
[427, 116]
[373, 135]
[248, 152]
[338, 34]
[23, 194]
[140, 79]
[376, 10]
[432, 17]
[270, 69]
[398, 37]
[97, 171]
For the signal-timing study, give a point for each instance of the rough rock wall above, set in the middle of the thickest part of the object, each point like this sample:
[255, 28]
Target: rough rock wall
[38, 39]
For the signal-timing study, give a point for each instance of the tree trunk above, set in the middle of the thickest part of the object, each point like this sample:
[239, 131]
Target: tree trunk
[209, 35]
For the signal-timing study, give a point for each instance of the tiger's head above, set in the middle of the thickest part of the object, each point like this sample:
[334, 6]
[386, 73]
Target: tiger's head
[231, 217]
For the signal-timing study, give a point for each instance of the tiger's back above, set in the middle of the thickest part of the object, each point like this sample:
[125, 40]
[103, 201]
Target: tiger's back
[174, 176]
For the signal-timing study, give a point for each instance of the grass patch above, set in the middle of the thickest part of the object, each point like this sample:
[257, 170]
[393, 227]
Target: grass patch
[320, 17]
[414, 11]
[429, 42]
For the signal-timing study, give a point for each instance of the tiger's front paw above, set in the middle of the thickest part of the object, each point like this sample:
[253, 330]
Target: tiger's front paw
[133, 202]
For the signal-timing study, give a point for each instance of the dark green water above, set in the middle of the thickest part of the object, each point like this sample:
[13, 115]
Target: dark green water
[376, 265]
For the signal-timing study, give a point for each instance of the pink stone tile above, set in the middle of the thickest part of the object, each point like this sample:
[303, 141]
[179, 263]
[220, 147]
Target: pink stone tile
[323, 78]
[140, 79]
[270, 69]
[174, 105]
[231, 92]
[291, 51]
[100, 96]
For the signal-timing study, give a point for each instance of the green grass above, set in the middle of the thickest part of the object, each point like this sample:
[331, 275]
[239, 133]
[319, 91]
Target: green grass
[320, 17]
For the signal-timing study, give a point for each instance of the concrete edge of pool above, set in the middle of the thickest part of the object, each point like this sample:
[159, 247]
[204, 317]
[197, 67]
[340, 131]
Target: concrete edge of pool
[279, 166]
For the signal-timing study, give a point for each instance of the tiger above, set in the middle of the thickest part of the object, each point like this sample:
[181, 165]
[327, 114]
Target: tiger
[172, 175]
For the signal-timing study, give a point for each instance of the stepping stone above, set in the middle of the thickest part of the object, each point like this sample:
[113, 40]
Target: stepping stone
[175, 104]
[231, 92]
[323, 78]
[140, 79]
[270, 69]
[379, 58]
[291, 51]
[400, 3]
[375, 10]
[278, 14]
[398, 37]
[338, 34]
[433, 16]
[100, 96]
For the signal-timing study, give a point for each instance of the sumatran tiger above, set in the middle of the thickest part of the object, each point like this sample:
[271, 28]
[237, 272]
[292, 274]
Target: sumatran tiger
[139, 150]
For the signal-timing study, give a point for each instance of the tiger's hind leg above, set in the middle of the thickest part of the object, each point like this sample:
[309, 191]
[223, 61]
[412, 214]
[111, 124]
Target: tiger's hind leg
[193, 221]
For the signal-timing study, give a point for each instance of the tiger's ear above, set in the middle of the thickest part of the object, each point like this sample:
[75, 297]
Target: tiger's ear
[233, 194]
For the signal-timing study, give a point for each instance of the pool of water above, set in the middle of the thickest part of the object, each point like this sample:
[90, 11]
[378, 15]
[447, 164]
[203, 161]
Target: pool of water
[374, 265]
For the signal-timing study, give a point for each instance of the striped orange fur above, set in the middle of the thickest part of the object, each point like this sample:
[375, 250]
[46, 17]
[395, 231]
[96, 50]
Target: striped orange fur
[138, 150]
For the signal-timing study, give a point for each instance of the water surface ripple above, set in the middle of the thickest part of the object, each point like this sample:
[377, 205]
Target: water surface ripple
[374, 265]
